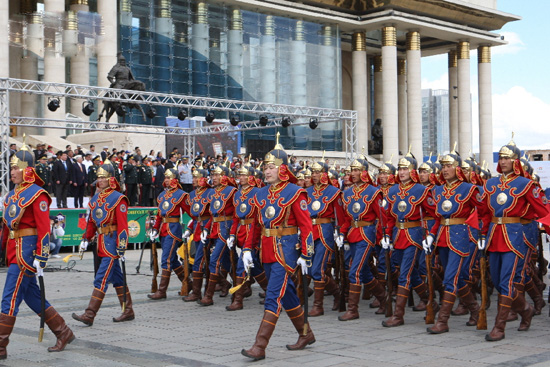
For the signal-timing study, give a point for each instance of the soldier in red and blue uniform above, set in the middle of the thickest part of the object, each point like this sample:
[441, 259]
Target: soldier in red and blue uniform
[26, 241]
[456, 202]
[199, 210]
[217, 230]
[405, 230]
[325, 207]
[287, 243]
[362, 205]
[108, 221]
[507, 197]
[242, 229]
[172, 203]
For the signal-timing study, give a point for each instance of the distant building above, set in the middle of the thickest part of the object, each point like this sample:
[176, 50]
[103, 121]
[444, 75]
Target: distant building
[435, 121]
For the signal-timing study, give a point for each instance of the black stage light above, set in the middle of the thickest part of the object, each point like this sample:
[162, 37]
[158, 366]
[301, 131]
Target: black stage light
[53, 104]
[285, 121]
[209, 117]
[88, 108]
[182, 115]
[263, 120]
[313, 123]
[235, 119]
[121, 110]
[151, 112]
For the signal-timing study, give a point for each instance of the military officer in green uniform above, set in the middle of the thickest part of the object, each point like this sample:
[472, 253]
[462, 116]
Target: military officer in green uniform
[44, 172]
[92, 174]
[131, 180]
[145, 180]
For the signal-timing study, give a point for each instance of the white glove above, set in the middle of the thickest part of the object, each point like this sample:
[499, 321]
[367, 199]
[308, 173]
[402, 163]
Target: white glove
[346, 246]
[427, 243]
[186, 235]
[303, 264]
[340, 241]
[230, 242]
[153, 235]
[204, 236]
[481, 243]
[83, 245]
[385, 242]
[39, 270]
[247, 260]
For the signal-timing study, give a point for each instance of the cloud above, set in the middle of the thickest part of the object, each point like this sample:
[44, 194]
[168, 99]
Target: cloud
[515, 45]
[441, 83]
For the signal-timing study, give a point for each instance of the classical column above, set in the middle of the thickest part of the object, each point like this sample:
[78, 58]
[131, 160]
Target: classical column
[200, 45]
[125, 28]
[464, 101]
[29, 60]
[331, 132]
[80, 62]
[402, 105]
[378, 106]
[235, 56]
[107, 49]
[268, 67]
[164, 38]
[414, 95]
[4, 39]
[453, 99]
[389, 92]
[360, 83]
[298, 83]
[485, 104]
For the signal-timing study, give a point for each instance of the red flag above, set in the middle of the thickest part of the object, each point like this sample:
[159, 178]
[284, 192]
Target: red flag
[473, 220]
[82, 222]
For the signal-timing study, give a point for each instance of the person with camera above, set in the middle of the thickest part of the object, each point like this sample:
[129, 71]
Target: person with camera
[56, 232]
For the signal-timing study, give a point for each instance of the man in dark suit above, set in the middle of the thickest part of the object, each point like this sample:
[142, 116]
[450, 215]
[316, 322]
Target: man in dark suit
[62, 178]
[79, 177]
[105, 153]
[159, 178]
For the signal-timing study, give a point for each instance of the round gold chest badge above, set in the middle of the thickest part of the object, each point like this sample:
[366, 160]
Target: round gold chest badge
[402, 206]
[196, 207]
[356, 207]
[384, 203]
[165, 205]
[502, 198]
[316, 205]
[99, 213]
[12, 210]
[217, 204]
[242, 207]
[270, 212]
[446, 205]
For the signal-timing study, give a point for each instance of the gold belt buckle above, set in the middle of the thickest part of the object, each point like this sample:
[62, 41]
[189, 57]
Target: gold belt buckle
[401, 225]
[499, 220]
[12, 235]
[446, 221]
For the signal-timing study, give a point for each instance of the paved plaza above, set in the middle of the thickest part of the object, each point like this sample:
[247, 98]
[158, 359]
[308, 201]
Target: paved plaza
[174, 333]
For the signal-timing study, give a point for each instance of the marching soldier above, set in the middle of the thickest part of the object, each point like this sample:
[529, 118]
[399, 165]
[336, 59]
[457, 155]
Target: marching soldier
[44, 172]
[145, 181]
[285, 222]
[25, 238]
[324, 204]
[508, 197]
[362, 204]
[172, 203]
[108, 221]
[92, 174]
[404, 229]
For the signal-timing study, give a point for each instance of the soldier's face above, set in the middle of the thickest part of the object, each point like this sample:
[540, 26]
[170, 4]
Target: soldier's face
[355, 175]
[243, 180]
[383, 178]
[271, 173]
[347, 179]
[16, 175]
[316, 177]
[506, 164]
[449, 172]
[102, 183]
[424, 176]
[404, 174]
[300, 183]
[216, 179]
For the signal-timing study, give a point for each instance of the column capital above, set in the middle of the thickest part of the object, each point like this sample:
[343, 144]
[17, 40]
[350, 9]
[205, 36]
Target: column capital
[236, 20]
[202, 13]
[327, 35]
[269, 25]
[389, 36]
[401, 67]
[484, 54]
[126, 6]
[453, 59]
[79, 2]
[378, 64]
[164, 9]
[299, 34]
[463, 50]
[413, 41]
[359, 42]
[72, 21]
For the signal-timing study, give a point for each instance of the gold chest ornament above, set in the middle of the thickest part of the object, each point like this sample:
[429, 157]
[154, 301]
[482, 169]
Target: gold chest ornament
[384, 203]
[165, 205]
[356, 207]
[196, 207]
[99, 213]
[446, 205]
[12, 210]
[217, 204]
[242, 207]
[270, 212]
[402, 206]
[316, 205]
[502, 198]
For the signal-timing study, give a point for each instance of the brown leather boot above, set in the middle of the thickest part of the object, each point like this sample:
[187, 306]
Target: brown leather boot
[353, 303]
[180, 273]
[58, 326]
[366, 295]
[379, 292]
[237, 303]
[296, 315]
[505, 303]
[441, 325]
[262, 281]
[400, 304]
[319, 289]
[376, 303]
[163, 286]
[460, 310]
[225, 285]
[421, 306]
[523, 308]
[438, 286]
[6, 327]
[207, 300]
[196, 288]
[535, 295]
[267, 326]
[468, 299]
[95, 303]
[332, 288]
[128, 313]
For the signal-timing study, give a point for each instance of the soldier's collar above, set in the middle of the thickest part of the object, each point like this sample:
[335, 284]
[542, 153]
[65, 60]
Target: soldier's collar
[452, 183]
[278, 185]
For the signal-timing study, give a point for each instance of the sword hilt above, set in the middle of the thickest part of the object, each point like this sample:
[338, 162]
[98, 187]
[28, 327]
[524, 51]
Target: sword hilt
[40, 335]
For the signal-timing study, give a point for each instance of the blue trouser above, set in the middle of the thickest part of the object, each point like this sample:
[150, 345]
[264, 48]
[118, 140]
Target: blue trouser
[219, 259]
[421, 265]
[360, 270]
[199, 260]
[456, 269]
[170, 247]
[109, 272]
[255, 271]
[281, 291]
[504, 272]
[407, 258]
[21, 286]
[473, 257]
[321, 257]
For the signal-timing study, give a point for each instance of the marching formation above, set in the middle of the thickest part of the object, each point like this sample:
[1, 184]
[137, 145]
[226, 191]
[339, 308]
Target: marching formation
[442, 228]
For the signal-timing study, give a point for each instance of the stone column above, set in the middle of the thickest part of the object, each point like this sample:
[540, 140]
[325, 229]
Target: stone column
[331, 132]
[485, 104]
[378, 106]
[235, 56]
[200, 44]
[402, 105]
[107, 47]
[4, 39]
[80, 63]
[464, 101]
[389, 92]
[453, 99]
[268, 66]
[414, 95]
[298, 70]
[360, 83]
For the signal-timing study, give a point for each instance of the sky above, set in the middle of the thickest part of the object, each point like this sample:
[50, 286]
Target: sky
[520, 78]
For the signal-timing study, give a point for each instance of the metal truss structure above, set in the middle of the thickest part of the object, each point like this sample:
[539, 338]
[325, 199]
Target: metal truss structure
[300, 114]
